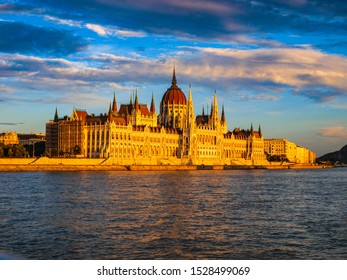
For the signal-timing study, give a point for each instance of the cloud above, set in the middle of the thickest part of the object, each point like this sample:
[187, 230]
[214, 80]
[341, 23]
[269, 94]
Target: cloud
[205, 18]
[334, 132]
[24, 38]
[258, 97]
[261, 74]
[120, 87]
[112, 31]
[5, 89]
[97, 29]
[10, 123]
[71, 23]
[311, 73]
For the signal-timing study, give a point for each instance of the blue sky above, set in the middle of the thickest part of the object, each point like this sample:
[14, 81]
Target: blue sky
[278, 63]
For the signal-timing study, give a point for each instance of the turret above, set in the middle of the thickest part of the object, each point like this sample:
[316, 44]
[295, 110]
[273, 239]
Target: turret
[214, 111]
[110, 113]
[190, 118]
[222, 119]
[137, 107]
[56, 118]
[152, 110]
[259, 131]
[114, 104]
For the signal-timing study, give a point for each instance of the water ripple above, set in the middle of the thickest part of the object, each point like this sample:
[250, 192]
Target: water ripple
[289, 214]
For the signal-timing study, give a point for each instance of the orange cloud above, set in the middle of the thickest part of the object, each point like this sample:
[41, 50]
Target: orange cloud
[334, 132]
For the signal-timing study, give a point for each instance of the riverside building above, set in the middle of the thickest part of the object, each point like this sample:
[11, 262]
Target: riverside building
[137, 134]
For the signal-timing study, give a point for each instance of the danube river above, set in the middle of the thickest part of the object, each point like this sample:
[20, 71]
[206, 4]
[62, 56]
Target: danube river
[244, 214]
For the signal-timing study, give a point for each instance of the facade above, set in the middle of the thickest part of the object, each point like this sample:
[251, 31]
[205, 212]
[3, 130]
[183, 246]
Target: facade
[31, 138]
[9, 138]
[293, 152]
[136, 134]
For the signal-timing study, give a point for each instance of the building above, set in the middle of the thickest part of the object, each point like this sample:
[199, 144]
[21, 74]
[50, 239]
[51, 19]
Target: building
[293, 152]
[31, 138]
[9, 138]
[138, 134]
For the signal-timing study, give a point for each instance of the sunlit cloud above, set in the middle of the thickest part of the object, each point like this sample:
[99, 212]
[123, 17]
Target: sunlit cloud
[112, 31]
[334, 132]
[315, 75]
[69, 22]
[97, 29]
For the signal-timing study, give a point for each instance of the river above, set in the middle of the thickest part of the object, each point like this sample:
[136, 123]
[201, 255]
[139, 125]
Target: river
[236, 214]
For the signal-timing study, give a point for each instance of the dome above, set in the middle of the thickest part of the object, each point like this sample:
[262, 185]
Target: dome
[174, 95]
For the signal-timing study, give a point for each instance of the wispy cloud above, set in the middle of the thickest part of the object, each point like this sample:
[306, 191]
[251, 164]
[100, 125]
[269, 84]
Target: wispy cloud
[97, 29]
[10, 123]
[68, 22]
[112, 31]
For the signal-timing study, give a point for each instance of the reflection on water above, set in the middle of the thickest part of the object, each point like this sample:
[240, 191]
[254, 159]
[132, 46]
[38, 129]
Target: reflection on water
[175, 215]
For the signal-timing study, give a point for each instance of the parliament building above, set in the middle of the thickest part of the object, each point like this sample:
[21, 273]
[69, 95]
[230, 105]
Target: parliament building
[135, 134]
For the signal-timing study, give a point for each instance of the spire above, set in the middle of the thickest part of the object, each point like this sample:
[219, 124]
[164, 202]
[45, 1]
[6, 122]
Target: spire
[259, 131]
[152, 105]
[215, 103]
[203, 111]
[223, 116]
[251, 129]
[114, 105]
[137, 107]
[110, 115]
[56, 118]
[174, 80]
[190, 109]
[131, 100]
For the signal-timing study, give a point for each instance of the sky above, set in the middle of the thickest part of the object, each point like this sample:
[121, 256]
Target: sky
[281, 64]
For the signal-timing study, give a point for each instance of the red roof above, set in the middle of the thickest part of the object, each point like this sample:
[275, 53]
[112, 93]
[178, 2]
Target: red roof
[174, 95]
[81, 115]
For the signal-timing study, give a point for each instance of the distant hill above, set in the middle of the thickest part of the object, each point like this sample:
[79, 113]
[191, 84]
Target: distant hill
[340, 156]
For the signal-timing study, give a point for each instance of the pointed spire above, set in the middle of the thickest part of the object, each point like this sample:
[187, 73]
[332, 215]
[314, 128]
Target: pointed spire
[203, 110]
[110, 115]
[174, 80]
[223, 115]
[137, 107]
[56, 118]
[259, 131]
[215, 103]
[251, 129]
[152, 105]
[131, 100]
[114, 105]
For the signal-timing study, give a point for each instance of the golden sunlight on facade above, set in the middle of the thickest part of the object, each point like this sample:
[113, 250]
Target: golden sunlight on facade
[293, 152]
[9, 138]
[134, 134]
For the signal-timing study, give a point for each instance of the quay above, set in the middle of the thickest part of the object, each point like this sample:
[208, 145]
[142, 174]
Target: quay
[78, 164]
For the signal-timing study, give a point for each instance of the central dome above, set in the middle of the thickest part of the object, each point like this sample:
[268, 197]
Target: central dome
[174, 95]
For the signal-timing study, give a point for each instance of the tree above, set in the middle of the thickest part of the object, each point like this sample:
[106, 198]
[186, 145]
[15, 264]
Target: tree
[10, 153]
[76, 150]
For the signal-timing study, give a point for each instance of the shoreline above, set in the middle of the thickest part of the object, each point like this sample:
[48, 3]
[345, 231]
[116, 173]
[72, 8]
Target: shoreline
[62, 165]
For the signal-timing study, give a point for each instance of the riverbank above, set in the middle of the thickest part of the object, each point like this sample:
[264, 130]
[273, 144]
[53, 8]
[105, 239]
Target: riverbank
[73, 164]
